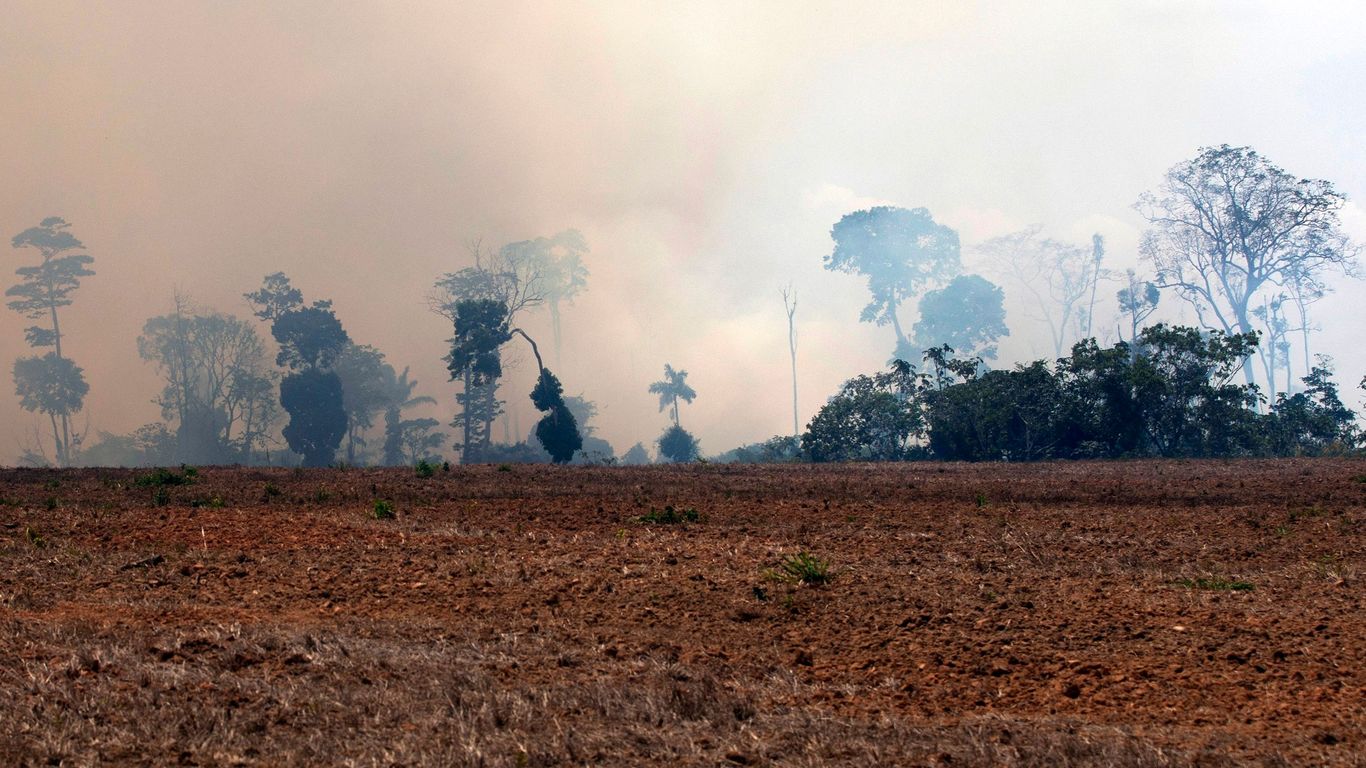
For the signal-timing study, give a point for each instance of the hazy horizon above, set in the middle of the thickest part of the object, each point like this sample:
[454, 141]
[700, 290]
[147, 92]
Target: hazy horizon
[703, 150]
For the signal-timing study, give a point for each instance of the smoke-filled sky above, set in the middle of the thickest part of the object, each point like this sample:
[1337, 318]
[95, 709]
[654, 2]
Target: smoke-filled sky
[703, 149]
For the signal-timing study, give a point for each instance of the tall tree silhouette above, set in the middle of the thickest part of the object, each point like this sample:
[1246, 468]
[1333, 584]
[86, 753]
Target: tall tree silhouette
[1228, 225]
[481, 330]
[398, 430]
[557, 263]
[672, 388]
[50, 383]
[311, 339]
[790, 305]
[507, 277]
[901, 252]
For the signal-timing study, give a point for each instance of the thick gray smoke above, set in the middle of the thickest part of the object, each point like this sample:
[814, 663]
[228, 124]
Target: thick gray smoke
[704, 151]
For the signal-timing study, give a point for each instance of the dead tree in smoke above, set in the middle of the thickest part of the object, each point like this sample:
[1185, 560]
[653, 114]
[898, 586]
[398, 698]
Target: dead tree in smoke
[790, 304]
[1228, 226]
[1059, 276]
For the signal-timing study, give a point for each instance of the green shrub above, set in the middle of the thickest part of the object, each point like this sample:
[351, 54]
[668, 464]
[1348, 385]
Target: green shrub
[383, 510]
[806, 568]
[161, 476]
[424, 469]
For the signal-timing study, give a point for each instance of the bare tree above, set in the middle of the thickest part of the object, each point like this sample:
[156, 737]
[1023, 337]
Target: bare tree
[790, 304]
[218, 389]
[1228, 225]
[1058, 276]
[1097, 256]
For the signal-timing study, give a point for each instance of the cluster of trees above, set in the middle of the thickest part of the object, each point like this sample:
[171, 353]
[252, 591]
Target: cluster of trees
[1168, 393]
[224, 402]
[483, 302]
[904, 252]
[1247, 246]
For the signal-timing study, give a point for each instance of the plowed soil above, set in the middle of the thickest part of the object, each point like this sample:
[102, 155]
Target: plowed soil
[1144, 613]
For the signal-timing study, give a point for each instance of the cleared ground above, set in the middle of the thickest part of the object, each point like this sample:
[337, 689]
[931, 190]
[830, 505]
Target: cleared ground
[1145, 613]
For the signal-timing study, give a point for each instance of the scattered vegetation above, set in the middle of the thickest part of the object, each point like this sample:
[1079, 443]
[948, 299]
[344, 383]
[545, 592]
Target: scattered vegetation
[383, 510]
[805, 568]
[34, 538]
[670, 516]
[161, 476]
[1217, 583]
[424, 468]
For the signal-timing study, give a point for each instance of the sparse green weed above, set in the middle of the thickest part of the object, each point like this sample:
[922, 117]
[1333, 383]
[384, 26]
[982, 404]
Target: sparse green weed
[383, 510]
[1217, 583]
[669, 516]
[805, 568]
[161, 477]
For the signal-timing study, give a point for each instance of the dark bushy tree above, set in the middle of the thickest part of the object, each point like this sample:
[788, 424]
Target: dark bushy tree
[678, 445]
[481, 330]
[317, 420]
[1170, 396]
[556, 431]
[311, 340]
[871, 418]
[1315, 421]
[1000, 415]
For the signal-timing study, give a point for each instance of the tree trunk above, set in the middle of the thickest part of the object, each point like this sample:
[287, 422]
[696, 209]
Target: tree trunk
[555, 328]
[896, 326]
[465, 422]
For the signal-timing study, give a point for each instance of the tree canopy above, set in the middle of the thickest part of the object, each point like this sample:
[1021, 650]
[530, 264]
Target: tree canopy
[968, 314]
[900, 251]
[672, 388]
[1228, 225]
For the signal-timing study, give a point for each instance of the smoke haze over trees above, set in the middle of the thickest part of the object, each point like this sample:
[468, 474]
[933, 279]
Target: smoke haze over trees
[704, 152]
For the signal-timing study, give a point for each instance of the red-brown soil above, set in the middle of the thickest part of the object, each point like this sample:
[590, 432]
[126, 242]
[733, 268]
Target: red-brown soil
[1143, 613]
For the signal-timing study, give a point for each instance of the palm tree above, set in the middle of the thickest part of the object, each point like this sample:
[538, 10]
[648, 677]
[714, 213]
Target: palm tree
[672, 388]
[400, 397]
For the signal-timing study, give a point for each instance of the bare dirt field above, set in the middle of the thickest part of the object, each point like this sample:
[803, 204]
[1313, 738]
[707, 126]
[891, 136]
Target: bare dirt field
[1130, 614]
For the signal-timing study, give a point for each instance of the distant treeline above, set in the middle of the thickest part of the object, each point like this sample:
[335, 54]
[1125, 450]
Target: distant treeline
[1247, 246]
[1170, 393]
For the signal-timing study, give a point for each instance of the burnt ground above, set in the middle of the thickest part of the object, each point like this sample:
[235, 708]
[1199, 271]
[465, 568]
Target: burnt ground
[1131, 613]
